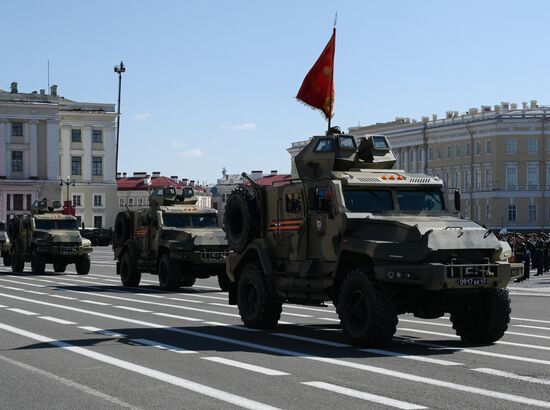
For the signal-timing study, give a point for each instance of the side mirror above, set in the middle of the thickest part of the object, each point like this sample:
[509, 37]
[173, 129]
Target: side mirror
[457, 200]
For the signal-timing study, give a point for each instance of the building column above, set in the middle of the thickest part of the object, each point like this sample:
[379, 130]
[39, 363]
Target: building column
[3, 147]
[87, 155]
[33, 150]
[53, 154]
[65, 151]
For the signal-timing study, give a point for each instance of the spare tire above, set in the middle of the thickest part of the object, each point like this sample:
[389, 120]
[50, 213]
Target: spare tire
[241, 218]
[122, 228]
[12, 230]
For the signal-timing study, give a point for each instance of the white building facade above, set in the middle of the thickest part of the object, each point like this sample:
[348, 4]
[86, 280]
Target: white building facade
[45, 138]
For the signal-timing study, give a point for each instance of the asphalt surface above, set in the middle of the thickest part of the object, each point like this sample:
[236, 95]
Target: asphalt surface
[70, 341]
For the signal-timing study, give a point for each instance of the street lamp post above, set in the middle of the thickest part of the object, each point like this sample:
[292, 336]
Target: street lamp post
[119, 69]
[67, 183]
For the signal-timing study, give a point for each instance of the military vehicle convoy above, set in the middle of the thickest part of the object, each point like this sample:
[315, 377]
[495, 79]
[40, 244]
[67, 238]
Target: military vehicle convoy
[173, 238]
[47, 236]
[4, 245]
[376, 241]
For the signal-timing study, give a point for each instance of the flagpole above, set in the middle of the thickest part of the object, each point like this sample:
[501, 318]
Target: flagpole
[332, 74]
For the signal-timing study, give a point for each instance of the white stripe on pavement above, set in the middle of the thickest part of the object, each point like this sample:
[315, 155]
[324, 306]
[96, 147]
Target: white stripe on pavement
[22, 311]
[374, 398]
[133, 309]
[162, 346]
[251, 367]
[57, 320]
[418, 358]
[93, 302]
[144, 371]
[63, 297]
[513, 376]
[102, 331]
[190, 319]
[533, 327]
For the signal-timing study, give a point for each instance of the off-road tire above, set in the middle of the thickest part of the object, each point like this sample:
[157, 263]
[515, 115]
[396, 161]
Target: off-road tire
[129, 275]
[170, 277]
[367, 311]
[38, 263]
[59, 267]
[6, 259]
[17, 263]
[188, 281]
[224, 282]
[241, 219]
[83, 264]
[485, 320]
[122, 229]
[257, 304]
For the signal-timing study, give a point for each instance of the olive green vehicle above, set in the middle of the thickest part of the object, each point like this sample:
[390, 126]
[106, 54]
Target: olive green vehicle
[173, 238]
[47, 236]
[4, 245]
[376, 241]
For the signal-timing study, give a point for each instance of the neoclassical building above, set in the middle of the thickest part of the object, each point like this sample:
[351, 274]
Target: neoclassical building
[45, 138]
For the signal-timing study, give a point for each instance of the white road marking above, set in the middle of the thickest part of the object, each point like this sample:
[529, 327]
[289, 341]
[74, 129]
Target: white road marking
[190, 319]
[3, 306]
[237, 327]
[532, 327]
[251, 367]
[422, 322]
[63, 297]
[412, 357]
[513, 376]
[162, 346]
[21, 283]
[145, 371]
[209, 287]
[36, 292]
[151, 296]
[186, 300]
[11, 288]
[206, 296]
[311, 340]
[93, 302]
[102, 331]
[527, 335]
[57, 320]
[22, 311]
[330, 319]
[374, 398]
[133, 309]
[535, 295]
[530, 320]
[295, 314]
[71, 383]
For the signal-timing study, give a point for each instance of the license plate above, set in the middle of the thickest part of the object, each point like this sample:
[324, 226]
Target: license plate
[472, 281]
[68, 251]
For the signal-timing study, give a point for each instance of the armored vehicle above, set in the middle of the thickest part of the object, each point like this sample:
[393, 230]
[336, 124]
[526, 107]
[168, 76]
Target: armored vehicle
[4, 245]
[47, 236]
[173, 238]
[376, 241]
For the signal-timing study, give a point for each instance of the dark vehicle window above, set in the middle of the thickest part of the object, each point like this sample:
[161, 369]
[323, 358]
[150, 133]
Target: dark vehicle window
[68, 224]
[325, 145]
[369, 201]
[47, 224]
[44, 224]
[188, 221]
[346, 142]
[2, 226]
[380, 142]
[420, 200]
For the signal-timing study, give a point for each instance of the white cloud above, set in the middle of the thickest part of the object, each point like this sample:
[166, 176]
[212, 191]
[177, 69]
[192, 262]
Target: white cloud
[176, 144]
[195, 152]
[142, 116]
[240, 127]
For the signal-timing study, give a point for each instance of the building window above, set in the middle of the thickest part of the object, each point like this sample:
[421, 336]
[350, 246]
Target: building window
[511, 176]
[17, 161]
[448, 151]
[147, 201]
[478, 148]
[77, 200]
[76, 165]
[130, 201]
[97, 166]
[512, 214]
[467, 176]
[488, 212]
[488, 147]
[29, 202]
[17, 202]
[532, 176]
[457, 150]
[532, 213]
[76, 135]
[98, 221]
[16, 129]
[488, 177]
[456, 180]
[430, 154]
[468, 149]
[438, 153]
[8, 202]
[223, 198]
[98, 200]
[120, 201]
[511, 146]
[477, 178]
[97, 137]
[140, 201]
[532, 145]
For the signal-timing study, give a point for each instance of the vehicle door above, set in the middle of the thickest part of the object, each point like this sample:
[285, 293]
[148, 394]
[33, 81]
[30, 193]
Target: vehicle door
[289, 226]
[323, 229]
[142, 233]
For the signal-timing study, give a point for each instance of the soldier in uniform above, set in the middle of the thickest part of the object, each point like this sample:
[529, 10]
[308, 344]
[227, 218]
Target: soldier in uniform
[546, 252]
[539, 247]
[518, 246]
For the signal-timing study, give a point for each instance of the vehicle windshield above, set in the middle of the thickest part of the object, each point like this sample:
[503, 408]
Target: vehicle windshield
[369, 201]
[426, 200]
[190, 220]
[48, 224]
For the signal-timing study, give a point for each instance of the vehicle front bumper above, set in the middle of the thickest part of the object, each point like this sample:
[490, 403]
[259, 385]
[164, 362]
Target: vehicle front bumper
[64, 250]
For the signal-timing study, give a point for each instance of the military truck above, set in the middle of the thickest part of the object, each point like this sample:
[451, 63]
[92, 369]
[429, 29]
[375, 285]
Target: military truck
[4, 245]
[47, 236]
[376, 241]
[172, 238]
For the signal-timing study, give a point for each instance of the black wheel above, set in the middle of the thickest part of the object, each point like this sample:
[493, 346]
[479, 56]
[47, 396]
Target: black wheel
[59, 267]
[241, 220]
[224, 282]
[17, 263]
[486, 319]
[258, 306]
[122, 228]
[129, 274]
[83, 264]
[170, 277]
[38, 263]
[367, 311]
[188, 281]
[6, 259]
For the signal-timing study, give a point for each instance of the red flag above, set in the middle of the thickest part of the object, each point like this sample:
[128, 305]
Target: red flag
[317, 90]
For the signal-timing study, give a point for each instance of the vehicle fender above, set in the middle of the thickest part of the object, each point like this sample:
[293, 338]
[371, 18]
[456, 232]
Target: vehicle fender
[253, 252]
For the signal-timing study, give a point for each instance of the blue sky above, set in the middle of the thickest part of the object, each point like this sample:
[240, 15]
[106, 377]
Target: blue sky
[211, 84]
